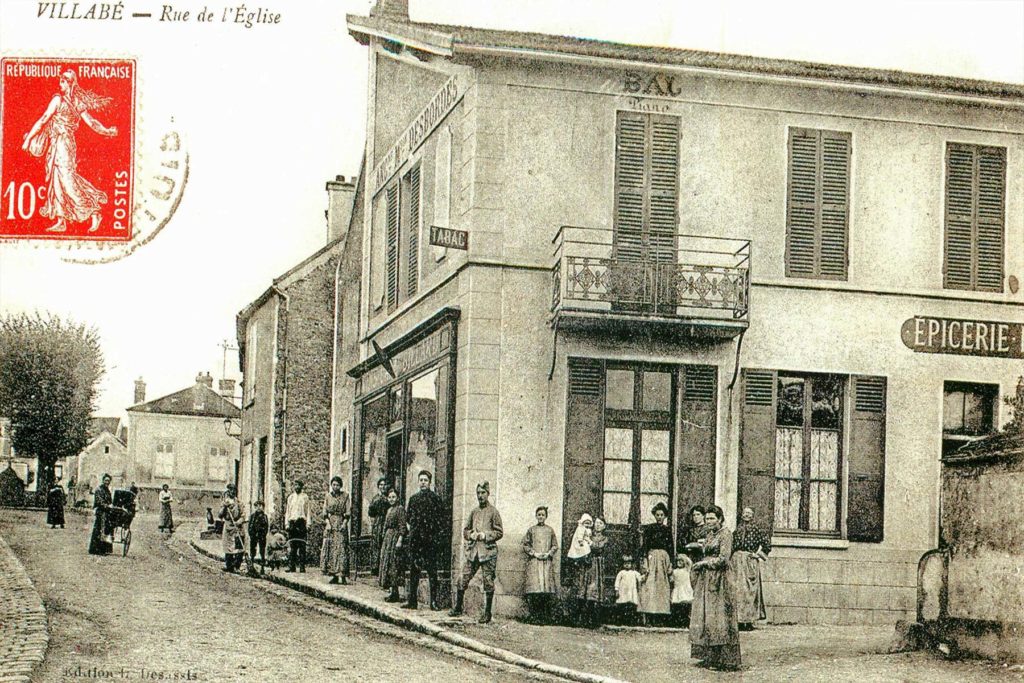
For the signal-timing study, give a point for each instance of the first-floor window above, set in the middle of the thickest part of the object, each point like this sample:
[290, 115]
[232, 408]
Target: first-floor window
[163, 464]
[218, 463]
[808, 438]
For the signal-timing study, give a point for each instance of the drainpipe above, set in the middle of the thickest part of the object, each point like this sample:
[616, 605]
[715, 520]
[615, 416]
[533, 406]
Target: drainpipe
[334, 363]
[284, 403]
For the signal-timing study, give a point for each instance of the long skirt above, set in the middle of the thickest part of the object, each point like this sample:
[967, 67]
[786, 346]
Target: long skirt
[592, 584]
[166, 519]
[655, 592]
[714, 632]
[55, 513]
[100, 543]
[390, 561]
[749, 591]
[334, 554]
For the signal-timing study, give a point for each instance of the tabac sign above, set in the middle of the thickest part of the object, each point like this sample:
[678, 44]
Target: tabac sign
[923, 334]
[443, 101]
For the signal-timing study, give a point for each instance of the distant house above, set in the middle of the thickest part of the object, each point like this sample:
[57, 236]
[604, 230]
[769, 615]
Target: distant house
[105, 454]
[27, 468]
[180, 440]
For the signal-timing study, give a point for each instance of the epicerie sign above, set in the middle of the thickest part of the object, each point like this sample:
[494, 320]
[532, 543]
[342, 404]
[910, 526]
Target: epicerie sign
[923, 334]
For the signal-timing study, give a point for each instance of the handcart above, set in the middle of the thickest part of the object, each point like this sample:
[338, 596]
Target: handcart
[119, 519]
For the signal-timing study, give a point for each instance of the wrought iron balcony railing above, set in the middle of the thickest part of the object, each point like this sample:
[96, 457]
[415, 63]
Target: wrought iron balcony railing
[702, 281]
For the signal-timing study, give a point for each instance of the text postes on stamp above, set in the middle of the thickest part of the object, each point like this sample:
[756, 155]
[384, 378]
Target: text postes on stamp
[67, 166]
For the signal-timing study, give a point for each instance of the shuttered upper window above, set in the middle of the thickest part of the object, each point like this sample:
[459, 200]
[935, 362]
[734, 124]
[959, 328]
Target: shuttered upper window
[646, 187]
[403, 218]
[975, 196]
[817, 204]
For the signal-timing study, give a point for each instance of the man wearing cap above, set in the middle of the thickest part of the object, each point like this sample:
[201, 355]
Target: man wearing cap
[482, 531]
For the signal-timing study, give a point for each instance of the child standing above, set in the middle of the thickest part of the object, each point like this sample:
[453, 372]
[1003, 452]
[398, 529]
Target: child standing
[540, 545]
[277, 547]
[627, 590]
[258, 525]
[682, 591]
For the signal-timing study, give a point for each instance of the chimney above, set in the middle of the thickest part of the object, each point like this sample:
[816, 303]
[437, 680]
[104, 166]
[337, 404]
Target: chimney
[391, 9]
[226, 388]
[140, 391]
[203, 382]
[340, 197]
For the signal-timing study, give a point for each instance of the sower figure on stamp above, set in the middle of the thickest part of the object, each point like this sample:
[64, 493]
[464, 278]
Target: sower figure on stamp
[69, 196]
[425, 514]
[296, 517]
[482, 532]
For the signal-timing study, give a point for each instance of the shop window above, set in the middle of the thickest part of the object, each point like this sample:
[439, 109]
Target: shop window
[975, 217]
[817, 204]
[968, 413]
[421, 452]
[375, 419]
[163, 463]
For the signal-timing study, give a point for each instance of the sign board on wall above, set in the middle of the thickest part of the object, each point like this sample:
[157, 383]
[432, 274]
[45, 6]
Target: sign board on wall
[443, 101]
[924, 334]
[448, 237]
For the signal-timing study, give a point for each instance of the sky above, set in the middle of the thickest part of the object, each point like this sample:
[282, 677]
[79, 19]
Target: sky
[270, 113]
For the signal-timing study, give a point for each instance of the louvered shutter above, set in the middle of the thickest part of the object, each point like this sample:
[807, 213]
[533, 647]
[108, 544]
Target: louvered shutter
[630, 185]
[663, 202]
[757, 444]
[584, 442]
[835, 187]
[817, 204]
[975, 197]
[413, 266]
[391, 246]
[695, 468]
[865, 516]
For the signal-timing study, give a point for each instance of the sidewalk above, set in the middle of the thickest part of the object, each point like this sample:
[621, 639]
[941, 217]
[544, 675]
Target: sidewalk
[805, 653]
[23, 633]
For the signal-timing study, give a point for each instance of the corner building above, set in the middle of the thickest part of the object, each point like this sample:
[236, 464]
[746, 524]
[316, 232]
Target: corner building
[688, 277]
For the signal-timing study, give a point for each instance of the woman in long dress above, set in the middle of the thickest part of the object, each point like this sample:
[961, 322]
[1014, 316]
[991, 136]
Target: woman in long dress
[750, 547]
[714, 632]
[101, 542]
[593, 577]
[539, 586]
[233, 535]
[391, 547]
[334, 558]
[166, 518]
[69, 196]
[656, 551]
[55, 502]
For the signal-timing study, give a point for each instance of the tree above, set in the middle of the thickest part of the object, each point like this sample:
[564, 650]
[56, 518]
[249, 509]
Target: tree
[49, 373]
[1016, 404]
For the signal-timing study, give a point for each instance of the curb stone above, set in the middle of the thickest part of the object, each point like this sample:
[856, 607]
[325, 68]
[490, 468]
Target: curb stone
[24, 635]
[439, 633]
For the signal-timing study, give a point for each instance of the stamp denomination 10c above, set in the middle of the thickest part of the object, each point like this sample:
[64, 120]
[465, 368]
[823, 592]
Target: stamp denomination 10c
[67, 146]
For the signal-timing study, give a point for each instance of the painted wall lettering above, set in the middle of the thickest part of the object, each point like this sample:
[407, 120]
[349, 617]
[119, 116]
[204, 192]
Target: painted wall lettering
[924, 334]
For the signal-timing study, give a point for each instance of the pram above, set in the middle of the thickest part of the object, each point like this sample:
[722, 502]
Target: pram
[119, 519]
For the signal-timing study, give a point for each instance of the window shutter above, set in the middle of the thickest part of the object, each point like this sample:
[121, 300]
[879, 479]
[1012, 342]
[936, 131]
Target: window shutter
[835, 186]
[630, 185]
[584, 442]
[865, 515]
[757, 444]
[975, 196]
[392, 247]
[991, 192]
[413, 273]
[664, 188]
[695, 468]
[817, 204]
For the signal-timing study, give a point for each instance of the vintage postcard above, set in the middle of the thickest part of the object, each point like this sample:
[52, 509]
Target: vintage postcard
[572, 340]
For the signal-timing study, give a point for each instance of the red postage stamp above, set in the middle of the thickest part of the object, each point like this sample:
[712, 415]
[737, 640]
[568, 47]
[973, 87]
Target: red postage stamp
[67, 146]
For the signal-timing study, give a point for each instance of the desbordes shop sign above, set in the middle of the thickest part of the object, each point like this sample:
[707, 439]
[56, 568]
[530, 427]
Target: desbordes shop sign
[924, 334]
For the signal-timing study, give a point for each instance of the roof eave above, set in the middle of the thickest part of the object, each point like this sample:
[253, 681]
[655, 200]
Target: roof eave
[416, 38]
[465, 49]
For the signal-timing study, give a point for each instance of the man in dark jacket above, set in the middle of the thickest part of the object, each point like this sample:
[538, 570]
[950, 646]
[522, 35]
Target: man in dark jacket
[258, 526]
[426, 522]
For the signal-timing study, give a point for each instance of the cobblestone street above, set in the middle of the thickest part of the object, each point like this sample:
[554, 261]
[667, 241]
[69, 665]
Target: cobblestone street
[159, 612]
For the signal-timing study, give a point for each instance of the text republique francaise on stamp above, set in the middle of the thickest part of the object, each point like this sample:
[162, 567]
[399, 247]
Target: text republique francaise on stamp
[67, 146]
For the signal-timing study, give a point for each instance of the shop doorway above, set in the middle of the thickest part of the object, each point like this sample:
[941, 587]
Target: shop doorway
[394, 464]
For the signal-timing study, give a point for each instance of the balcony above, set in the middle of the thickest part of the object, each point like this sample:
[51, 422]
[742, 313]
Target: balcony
[687, 284]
